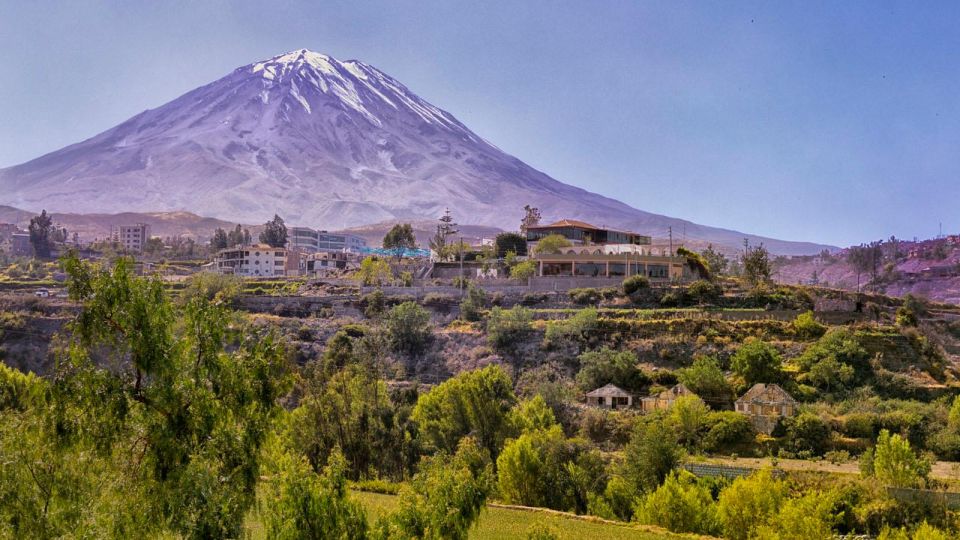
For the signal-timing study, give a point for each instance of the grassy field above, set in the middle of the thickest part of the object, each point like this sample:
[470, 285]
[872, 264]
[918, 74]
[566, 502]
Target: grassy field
[507, 523]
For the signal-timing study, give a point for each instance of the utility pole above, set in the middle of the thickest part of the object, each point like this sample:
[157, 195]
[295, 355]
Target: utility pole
[461, 265]
[670, 231]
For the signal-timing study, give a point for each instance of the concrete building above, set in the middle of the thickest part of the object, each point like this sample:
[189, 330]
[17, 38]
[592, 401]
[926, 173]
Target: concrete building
[610, 397]
[582, 233]
[765, 405]
[252, 261]
[618, 261]
[310, 240]
[132, 238]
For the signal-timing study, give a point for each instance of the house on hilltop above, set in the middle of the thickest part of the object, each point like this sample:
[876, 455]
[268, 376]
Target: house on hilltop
[610, 397]
[765, 405]
[665, 399]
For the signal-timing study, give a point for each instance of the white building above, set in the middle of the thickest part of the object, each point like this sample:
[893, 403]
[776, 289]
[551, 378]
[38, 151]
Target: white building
[132, 238]
[309, 240]
[252, 261]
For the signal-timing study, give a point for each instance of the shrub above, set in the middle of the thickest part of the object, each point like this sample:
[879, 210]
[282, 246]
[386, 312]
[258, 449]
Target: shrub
[507, 328]
[806, 326]
[807, 433]
[705, 379]
[727, 430]
[651, 454]
[681, 504]
[757, 361]
[635, 283]
[580, 328]
[606, 366]
[408, 327]
[375, 304]
[472, 306]
[895, 464]
[532, 299]
[705, 292]
[438, 299]
[809, 516]
[374, 271]
[523, 270]
[748, 503]
[585, 296]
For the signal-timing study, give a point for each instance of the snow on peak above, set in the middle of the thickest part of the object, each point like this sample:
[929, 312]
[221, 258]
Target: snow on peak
[357, 85]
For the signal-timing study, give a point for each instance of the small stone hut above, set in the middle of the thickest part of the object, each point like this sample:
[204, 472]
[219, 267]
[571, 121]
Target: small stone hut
[765, 405]
[665, 399]
[610, 397]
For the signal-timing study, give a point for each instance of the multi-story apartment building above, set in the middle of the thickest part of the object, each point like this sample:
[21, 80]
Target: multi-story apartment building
[132, 238]
[252, 261]
[309, 240]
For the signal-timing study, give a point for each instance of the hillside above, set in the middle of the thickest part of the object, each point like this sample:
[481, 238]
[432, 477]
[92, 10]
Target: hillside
[929, 268]
[325, 143]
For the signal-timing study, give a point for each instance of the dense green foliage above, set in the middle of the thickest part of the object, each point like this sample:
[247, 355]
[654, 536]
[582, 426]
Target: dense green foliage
[757, 362]
[408, 328]
[274, 233]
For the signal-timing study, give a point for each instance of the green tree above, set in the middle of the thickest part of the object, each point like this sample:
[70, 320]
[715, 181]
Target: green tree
[551, 244]
[756, 265]
[806, 326]
[530, 415]
[408, 327]
[757, 361]
[705, 379]
[374, 271]
[808, 516]
[748, 503]
[895, 463]
[274, 233]
[166, 438]
[298, 504]
[808, 433]
[41, 228]
[688, 417]
[472, 306]
[399, 239]
[523, 270]
[531, 218]
[472, 403]
[718, 262]
[507, 328]
[544, 468]
[681, 504]
[608, 366]
[651, 454]
[835, 362]
[444, 498]
[509, 241]
[635, 283]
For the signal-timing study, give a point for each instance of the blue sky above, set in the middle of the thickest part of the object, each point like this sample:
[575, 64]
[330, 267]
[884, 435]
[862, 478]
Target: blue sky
[836, 122]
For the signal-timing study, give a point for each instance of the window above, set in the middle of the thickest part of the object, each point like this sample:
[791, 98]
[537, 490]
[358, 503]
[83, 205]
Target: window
[591, 269]
[557, 269]
[617, 269]
[657, 271]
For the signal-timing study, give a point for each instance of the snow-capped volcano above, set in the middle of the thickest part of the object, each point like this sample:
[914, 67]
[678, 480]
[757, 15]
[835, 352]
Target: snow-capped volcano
[322, 142]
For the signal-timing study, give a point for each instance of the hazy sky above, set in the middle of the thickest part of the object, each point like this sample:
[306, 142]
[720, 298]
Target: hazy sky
[836, 122]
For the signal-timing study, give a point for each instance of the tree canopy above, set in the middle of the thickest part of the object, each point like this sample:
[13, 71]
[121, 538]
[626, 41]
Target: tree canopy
[274, 233]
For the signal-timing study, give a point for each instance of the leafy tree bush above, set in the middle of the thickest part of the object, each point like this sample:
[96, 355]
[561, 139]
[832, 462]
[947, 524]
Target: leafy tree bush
[530, 415]
[584, 296]
[924, 532]
[540, 531]
[705, 379]
[508, 241]
[807, 327]
[211, 286]
[472, 403]
[297, 503]
[704, 292]
[748, 503]
[808, 516]
[543, 468]
[681, 504]
[835, 362]
[651, 454]
[507, 328]
[606, 366]
[756, 266]
[164, 442]
[687, 416]
[274, 233]
[635, 283]
[473, 305]
[523, 270]
[400, 238]
[374, 271]
[580, 329]
[551, 244]
[756, 362]
[408, 327]
[895, 464]
[807, 433]
[444, 498]
[727, 430]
